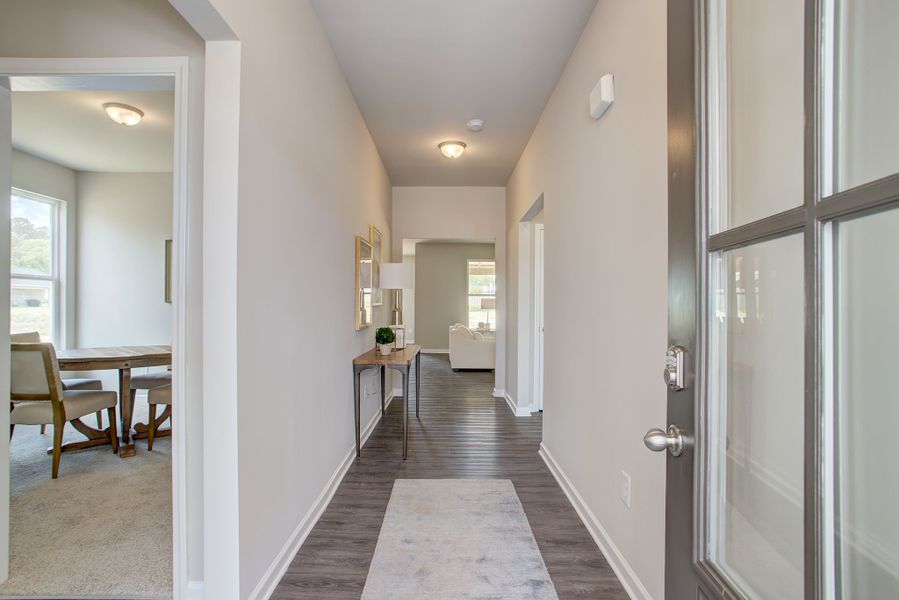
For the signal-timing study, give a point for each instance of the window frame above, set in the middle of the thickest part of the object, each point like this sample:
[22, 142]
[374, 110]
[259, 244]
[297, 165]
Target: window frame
[469, 294]
[57, 310]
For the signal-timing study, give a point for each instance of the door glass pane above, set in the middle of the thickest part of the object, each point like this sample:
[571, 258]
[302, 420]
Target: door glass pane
[31, 307]
[866, 77]
[755, 525]
[756, 109]
[867, 479]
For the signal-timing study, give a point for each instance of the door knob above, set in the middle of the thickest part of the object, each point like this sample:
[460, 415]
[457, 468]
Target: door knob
[659, 440]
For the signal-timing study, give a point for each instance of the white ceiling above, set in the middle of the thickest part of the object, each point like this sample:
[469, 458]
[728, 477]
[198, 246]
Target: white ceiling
[420, 69]
[71, 128]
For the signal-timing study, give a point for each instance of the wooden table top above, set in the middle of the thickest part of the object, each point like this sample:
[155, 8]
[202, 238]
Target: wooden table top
[114, 357]
[397, 357]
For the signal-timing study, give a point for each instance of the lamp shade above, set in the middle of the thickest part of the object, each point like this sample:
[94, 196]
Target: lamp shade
[396, 276]
[488, 303]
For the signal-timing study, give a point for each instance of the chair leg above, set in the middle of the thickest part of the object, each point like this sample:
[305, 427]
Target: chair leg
[57, 448]
[43, 429]
[151, 433]
[100, 420]
[113, 430]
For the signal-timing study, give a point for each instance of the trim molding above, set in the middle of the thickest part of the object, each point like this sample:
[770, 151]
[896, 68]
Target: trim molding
[276, 570]
[499, 393]
[432, 351]
[194, 590]
[518, 411]
[626, 575]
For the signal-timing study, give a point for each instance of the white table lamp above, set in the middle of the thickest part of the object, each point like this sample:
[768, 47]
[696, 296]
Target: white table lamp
[397, 277]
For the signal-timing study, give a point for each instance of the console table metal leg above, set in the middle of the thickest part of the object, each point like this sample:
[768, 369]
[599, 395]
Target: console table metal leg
[417, 382]
[357, 374]
[383, 377]
[405, 412]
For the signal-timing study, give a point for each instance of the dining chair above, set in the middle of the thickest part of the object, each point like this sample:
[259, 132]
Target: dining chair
[34, 337]
[38, 398]
[157, 395]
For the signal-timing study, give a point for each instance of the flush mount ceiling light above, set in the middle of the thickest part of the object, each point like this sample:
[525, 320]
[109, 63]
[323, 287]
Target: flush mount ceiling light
[123, 114]
[452, 149]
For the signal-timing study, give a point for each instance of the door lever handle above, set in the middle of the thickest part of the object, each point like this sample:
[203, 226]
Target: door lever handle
[659, 440]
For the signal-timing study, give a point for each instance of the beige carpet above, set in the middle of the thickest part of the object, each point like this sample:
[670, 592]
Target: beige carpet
[103, 529]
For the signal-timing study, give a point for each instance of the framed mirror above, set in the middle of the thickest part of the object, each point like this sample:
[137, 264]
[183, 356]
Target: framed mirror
[374, 238]
[363, 283]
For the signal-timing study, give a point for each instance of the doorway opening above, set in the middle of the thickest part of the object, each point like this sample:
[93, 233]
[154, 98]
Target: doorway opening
[97, 172]
[530, 311]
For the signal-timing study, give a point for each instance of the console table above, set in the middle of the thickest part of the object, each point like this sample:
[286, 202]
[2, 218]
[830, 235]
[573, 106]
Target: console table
[398, 360]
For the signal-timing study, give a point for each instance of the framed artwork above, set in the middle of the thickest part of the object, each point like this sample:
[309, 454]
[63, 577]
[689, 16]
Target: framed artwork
[168, 271]
[363, 283]
[374, 238]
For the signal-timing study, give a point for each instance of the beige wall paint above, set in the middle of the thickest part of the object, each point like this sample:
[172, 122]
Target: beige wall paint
[116, 28]
[458, 213]
[310, 180]
[123, 220]
[605, 193]
[441, 289]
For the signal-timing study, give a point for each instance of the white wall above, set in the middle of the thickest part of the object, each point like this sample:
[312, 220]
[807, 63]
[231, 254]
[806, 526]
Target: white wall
[605, 194]
[113, 28]
[458, 213]
[41, 176]
[123, 220]
[441, 288]
[309, 181]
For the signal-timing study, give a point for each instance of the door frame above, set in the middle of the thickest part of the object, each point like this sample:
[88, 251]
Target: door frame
[538, 323]
[176, 67]
[689, 246]
[524, 404]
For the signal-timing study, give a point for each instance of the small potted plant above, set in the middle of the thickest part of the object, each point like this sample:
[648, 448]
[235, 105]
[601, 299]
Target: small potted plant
[385, 337]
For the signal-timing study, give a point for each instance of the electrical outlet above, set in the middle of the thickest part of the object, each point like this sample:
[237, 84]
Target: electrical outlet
[624, 489]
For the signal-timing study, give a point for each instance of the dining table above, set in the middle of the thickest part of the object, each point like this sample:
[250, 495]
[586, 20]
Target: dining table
[121, 359]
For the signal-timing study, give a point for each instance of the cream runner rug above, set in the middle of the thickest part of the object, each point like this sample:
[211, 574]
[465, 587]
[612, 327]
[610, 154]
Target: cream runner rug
[456, 539]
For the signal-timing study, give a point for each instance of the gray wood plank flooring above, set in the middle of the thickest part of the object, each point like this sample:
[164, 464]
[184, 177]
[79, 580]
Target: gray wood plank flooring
[463, 433]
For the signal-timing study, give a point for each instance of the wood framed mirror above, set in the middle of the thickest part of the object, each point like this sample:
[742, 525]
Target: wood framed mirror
[363, 283]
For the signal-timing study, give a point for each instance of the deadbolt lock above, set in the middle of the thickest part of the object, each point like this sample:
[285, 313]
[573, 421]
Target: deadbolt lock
[674, 372]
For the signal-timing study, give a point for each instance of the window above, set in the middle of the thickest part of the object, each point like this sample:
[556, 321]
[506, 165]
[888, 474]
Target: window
[482, 294]
[34, 265]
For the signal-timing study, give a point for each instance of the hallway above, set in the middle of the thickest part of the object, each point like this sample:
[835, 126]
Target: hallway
[463, 433]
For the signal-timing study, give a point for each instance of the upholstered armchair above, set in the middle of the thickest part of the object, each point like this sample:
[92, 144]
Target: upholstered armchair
[470, 350]
[156, 396]
[38, 398]
[75, 383]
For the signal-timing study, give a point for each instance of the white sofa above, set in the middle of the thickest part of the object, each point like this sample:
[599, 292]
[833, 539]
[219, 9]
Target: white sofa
[470, 350]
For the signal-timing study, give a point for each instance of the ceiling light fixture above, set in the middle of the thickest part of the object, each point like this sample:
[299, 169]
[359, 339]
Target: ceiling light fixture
[452, 149]
[123, 114]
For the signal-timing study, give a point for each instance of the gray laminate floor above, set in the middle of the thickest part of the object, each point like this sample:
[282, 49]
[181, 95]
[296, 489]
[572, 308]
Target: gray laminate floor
[463, 433]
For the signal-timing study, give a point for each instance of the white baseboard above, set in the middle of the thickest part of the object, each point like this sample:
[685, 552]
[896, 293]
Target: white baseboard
[518, 411]
[432, 351]
[626, 575]
[499, 393]
[195, 590]
[276, 570]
